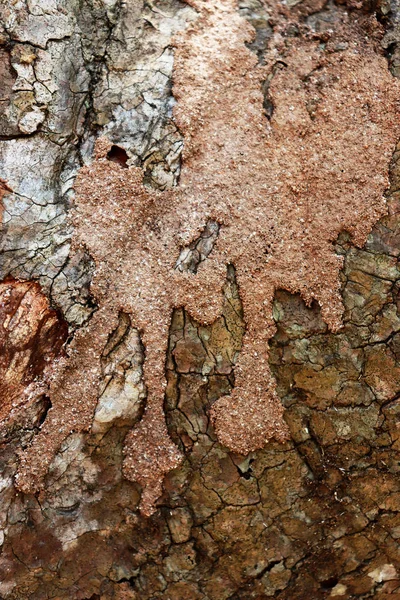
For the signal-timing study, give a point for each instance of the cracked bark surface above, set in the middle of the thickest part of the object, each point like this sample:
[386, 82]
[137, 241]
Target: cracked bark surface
[315, 517]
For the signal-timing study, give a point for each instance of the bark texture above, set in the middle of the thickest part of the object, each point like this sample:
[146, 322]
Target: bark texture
[87, 101]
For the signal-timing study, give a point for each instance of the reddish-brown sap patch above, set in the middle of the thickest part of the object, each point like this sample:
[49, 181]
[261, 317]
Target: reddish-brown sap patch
[281, 191]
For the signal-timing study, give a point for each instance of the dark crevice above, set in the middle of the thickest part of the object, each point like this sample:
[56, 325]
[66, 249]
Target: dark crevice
[268, 104]
[256, 13]
[329, 583]
[45, 405]
[118, 155]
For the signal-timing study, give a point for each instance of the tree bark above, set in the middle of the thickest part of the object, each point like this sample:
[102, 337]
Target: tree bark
[199, 300]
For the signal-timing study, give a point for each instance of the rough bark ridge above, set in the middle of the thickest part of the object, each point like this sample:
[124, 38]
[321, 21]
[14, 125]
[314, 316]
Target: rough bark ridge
[313, 131]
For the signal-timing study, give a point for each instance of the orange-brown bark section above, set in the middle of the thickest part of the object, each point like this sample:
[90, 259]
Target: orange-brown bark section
[281, 190]
[4, 189]
[31, 338]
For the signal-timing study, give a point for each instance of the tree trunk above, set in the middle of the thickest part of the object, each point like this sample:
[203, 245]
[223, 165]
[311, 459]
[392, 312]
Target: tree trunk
[199, 283]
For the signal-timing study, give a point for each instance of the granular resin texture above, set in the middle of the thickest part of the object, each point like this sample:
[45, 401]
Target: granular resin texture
[280, 189]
